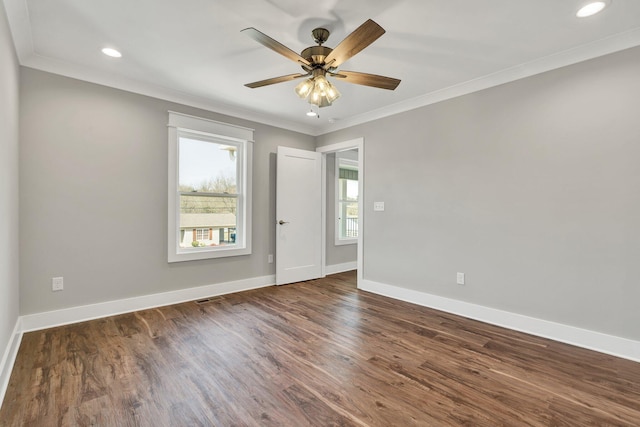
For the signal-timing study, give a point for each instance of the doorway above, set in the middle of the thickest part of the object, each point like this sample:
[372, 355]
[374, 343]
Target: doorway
[329, 153]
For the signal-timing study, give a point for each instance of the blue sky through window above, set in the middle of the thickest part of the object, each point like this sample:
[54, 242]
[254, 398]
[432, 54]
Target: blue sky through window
[202, 161]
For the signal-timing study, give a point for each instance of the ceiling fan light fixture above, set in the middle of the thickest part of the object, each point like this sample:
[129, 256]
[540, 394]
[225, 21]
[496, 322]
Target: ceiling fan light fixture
[321, 101]
[304, 88]
[315, 97]
[318, 91]
[321, 84]
[332, 93]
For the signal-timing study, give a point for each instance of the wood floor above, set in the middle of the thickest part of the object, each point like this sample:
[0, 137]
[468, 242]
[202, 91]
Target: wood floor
[318, 353]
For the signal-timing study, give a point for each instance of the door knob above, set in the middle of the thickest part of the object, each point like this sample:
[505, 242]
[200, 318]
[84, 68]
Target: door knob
[281, 222]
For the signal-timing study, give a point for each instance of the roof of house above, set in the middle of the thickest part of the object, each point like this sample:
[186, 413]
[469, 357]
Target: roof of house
[207, 220]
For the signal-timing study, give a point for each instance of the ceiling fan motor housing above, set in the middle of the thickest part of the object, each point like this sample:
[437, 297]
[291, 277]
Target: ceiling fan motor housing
[316, 54]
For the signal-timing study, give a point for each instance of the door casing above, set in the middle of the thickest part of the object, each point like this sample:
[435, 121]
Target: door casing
[357, 143]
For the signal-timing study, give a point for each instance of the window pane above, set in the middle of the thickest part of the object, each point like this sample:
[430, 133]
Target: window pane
[348, 220]
[210, 175]
[207, 167]
[352, 190]
[200, 204]
[348, 189]
[347, 201]
[207, 220]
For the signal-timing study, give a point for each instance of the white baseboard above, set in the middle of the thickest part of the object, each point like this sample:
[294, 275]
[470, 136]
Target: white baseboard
[32, 322]
[9, 358]
[597, 341]
[341, 268]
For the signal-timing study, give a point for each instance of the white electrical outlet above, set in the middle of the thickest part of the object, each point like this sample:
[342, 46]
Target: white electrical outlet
[460, 278]
[378, 206]
[57, 284]
[270, 259]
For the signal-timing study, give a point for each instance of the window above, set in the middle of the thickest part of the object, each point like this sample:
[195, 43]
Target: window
[346, 201]
[209, 189]
[202, 234]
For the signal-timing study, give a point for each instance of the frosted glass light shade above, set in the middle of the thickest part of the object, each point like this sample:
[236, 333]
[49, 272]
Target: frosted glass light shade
[318, 91]
[304, 88]
[321, 84]
[332, 93]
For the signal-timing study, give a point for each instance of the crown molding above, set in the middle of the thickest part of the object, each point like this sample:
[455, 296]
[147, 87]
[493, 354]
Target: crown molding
[19, 23]
[91, 75]
[20, 26]
[557, 60]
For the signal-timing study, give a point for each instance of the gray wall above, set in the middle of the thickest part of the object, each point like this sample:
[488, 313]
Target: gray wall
[335, 254]
[93, 196]
[530, 188]
[8, 184]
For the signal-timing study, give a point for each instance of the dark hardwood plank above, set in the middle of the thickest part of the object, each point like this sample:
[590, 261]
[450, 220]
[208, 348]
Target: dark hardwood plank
[317, 353]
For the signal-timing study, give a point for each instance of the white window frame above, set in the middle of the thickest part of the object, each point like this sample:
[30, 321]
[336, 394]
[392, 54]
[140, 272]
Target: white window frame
[339, 240]
[183, 124]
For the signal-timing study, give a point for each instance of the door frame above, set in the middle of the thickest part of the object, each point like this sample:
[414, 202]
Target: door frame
[357, 143]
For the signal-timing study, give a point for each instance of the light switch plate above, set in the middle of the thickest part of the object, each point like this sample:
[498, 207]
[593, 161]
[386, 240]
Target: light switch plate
[378, 206]
[460, 278]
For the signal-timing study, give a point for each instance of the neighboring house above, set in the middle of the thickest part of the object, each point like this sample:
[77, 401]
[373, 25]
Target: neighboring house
[207, 229]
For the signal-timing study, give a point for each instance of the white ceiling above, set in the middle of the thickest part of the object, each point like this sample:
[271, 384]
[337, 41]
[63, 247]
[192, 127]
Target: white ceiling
[192, 51]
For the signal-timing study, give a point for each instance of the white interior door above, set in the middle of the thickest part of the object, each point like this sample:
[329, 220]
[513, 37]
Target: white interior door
[298, 215]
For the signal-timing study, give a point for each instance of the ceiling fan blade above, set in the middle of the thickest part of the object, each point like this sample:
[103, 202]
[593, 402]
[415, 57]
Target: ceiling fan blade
[274, 45]
[365, 79]
[362, 37]
[275, 80]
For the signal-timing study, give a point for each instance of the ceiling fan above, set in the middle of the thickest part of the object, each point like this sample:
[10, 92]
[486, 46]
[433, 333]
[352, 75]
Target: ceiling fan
[320, 61]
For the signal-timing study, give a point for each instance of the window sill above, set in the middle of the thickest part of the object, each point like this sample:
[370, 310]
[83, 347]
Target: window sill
[342, 242]
[199, 254]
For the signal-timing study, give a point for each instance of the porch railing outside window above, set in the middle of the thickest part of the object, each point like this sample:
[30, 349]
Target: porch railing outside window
[351, 227]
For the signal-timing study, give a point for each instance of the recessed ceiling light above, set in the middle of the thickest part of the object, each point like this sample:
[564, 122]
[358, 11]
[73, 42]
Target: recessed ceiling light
[311, 113]
[111, 52]
[591, 9]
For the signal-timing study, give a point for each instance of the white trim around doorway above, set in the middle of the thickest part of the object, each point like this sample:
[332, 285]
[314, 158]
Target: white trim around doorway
[357, 143]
